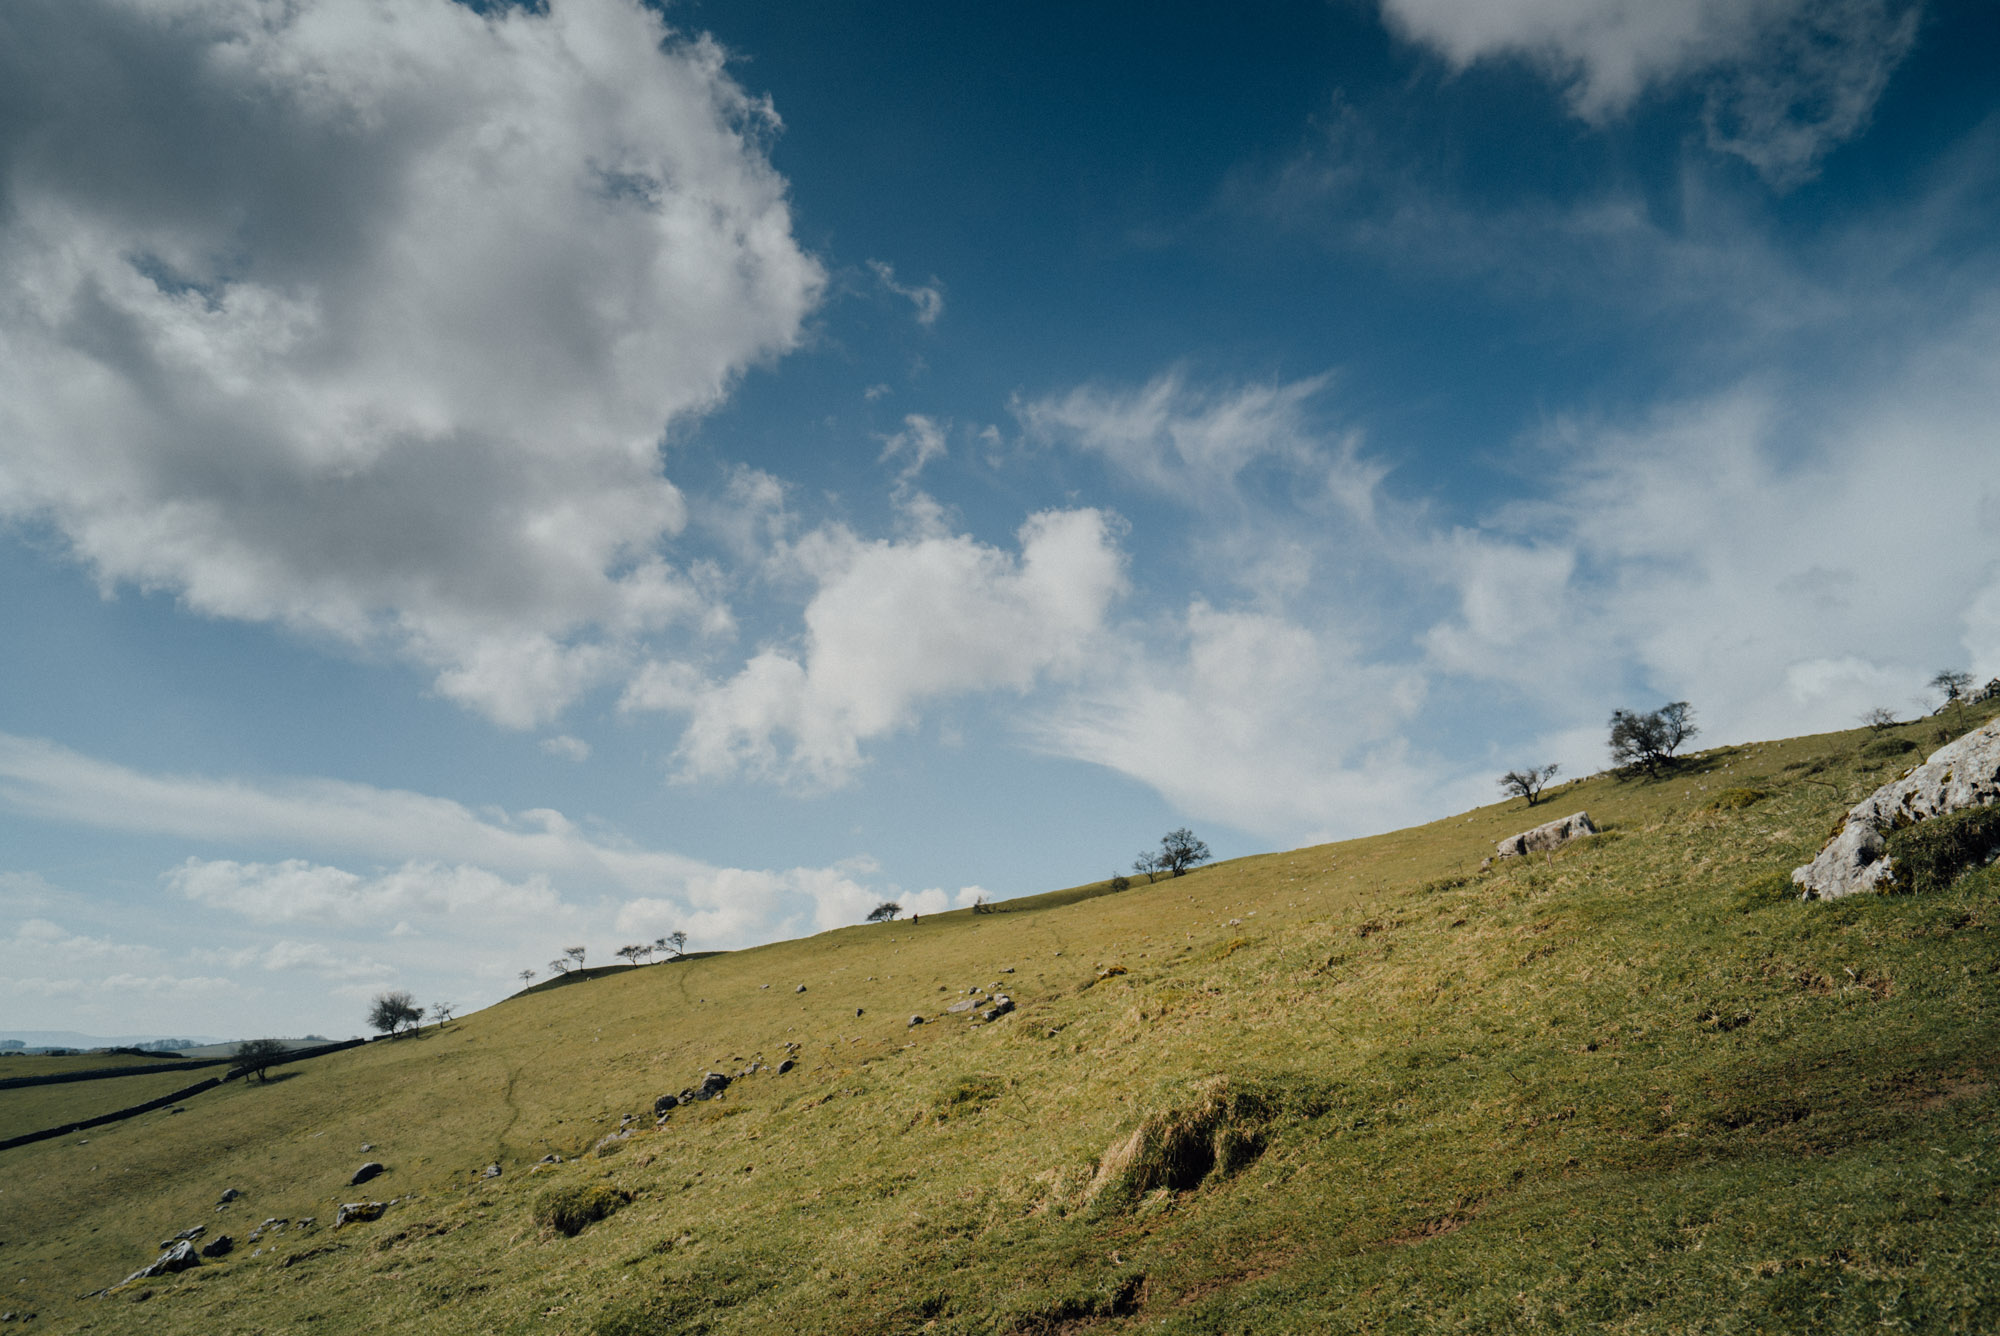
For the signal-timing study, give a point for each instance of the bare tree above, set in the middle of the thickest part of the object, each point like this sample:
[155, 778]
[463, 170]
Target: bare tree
[1149, 863]
[1648, 741]
[575, 953]
[1180, 850]
[391, 1011]
[675, 942]
[1528, 783]
[255, 1057]
[1879, 718]
[629, 954]
[559, 966]
[443, 1011]
[527, 977]
[1951, 683]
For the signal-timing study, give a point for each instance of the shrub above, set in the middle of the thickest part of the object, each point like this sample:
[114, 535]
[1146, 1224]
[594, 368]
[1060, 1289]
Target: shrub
[1222, 1129]
[567, 1210]
[1931, 855]
[1889, 747]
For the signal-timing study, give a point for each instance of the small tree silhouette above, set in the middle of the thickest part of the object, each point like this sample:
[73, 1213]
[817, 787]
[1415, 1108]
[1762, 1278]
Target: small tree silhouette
[884, 912]
[527, 977]
[1180, 850]
[255, 1057]
[1528, 783]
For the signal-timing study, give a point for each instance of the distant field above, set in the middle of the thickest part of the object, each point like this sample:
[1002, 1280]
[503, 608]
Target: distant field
[32, 1108]
[1631, 1087]
[37, 1065]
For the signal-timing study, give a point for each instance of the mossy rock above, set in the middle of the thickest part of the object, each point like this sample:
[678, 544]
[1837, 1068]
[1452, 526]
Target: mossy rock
[1735, 800]
[1931, 855]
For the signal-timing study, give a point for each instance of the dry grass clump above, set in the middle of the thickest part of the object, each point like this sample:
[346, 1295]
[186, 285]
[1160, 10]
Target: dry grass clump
[1735, 800]
[1217, 1132]
[567, 1210]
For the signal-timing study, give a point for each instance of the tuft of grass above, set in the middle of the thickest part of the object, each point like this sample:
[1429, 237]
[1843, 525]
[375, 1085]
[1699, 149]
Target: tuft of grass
[1930, 855]
[1889, 748]
[1212, 1135]
[568, 1210]
[1735, 800]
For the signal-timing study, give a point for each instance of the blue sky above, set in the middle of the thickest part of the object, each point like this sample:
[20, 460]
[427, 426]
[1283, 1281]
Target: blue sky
[477, 480]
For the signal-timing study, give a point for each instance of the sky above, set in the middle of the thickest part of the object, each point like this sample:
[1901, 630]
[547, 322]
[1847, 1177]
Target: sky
[477, 479]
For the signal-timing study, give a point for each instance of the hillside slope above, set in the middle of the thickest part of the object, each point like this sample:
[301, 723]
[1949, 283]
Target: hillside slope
[1632, 1087]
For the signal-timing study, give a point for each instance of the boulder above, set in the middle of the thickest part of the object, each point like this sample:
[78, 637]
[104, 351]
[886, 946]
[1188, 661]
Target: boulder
[665, 1102]
[1961, 774]
[550, 1159]
[185, 1235]
[228, 1195]
[787, 1065]
[916, 1020]
[490, 1171]
[800, 989]
[364, 1173]
[1547, 836]
[218, 1246]
[713, 1084]
[354, 1212]
[1001, 1006]
[177, 1258]
[962, 1005]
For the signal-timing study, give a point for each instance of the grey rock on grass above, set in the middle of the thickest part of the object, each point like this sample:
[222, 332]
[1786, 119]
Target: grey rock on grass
[1547, 835]
[364, 1173]
[1961, 774]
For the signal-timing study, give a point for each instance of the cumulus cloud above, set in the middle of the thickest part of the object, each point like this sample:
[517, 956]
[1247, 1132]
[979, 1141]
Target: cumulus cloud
[1785, 79]
[567, 747]
[893, 625]
[368, 320]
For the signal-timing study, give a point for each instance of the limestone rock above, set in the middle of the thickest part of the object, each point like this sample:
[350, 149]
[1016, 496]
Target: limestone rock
[364, 1173]
[1001, 1006]
[177, 1258]
[786, 1065]
[1961, 774]
[228, 1195]
[1547, 836]
[490, 1171]
[218, 1246]
[963, 1004]
[186, 1235]
[916, 1020]
[800, 989]
[665, 1102]
[354, 1212]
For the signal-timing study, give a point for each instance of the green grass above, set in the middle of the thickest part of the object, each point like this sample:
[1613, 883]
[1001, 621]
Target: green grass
[1632, 1087]
[32, 1108]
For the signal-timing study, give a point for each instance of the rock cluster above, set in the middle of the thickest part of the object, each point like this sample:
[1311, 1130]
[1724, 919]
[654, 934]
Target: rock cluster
[178, 1257]
[354, 1212]
[1547, 836]
[1961, 774]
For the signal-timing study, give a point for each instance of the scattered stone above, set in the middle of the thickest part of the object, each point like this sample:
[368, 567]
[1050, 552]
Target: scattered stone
[218, 1246]
[1958, 775]
[550, 1159]
[1008, 970]
[787, 1065]
[665, 1102]
[800, 989]
[229, 1195]
[1001, 1006]
[184, 1236]
[1547, 836]
[177, 1258]
[611, 1142]
[490, 1171]
[1486, 864]
[714, 1083]
[366, 1147]
[963, 1004]
[364, 1173]
[857, 1011]
[354, 1212]
[304, 1222]
[916, 1020]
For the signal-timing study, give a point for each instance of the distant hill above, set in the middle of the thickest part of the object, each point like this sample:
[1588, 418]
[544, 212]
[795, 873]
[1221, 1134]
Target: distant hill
[75, 1039]
[1634, 1085]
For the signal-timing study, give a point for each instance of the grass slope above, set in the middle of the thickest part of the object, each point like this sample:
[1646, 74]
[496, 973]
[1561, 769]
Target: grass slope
[1633, 1087]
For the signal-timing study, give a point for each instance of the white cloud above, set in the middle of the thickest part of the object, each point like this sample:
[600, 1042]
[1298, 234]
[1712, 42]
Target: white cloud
[1786, 79]
[295, 891]
[928, 298]
[919, 442]
[893, 625]
[566, 747]
[368, 319]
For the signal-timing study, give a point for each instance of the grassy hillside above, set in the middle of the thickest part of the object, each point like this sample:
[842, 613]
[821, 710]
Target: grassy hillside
[1632, 1087]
